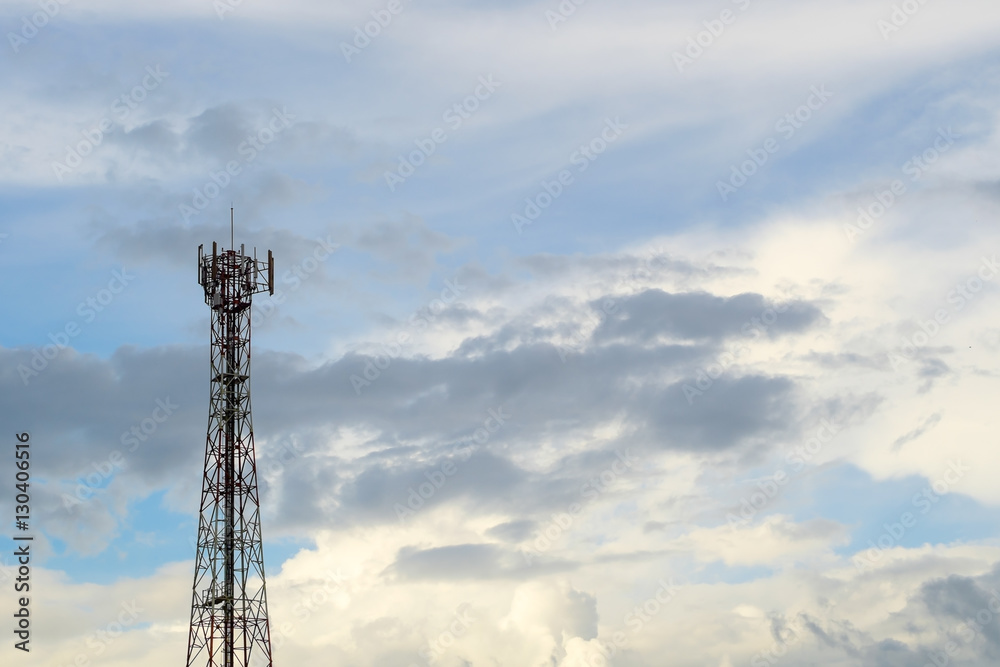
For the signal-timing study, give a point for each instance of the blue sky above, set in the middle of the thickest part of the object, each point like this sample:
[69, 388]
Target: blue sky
[646, 308]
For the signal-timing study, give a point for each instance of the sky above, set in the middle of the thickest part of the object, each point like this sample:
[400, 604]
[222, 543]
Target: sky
[622, 333]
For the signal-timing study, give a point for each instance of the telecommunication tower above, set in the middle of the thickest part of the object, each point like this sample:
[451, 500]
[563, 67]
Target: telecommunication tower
[229, 623]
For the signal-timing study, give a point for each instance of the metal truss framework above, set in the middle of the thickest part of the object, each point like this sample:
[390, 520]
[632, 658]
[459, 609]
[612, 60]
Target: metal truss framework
[229, 623]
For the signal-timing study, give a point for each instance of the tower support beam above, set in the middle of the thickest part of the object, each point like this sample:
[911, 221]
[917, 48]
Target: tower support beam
[229, 622]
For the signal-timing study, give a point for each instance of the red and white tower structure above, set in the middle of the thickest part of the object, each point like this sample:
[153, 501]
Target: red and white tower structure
[229, 622]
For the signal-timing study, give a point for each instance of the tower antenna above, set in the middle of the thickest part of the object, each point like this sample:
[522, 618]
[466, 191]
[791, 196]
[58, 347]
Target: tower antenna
[229, 620]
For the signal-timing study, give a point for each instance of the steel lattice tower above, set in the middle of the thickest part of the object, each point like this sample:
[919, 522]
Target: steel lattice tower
[229, 624]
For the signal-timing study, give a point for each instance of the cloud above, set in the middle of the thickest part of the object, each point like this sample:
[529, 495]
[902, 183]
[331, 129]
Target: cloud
[699, 316]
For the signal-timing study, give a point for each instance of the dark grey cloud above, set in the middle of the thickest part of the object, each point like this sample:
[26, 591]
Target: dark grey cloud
[733, 411]
[373, 492]
[404, 250]
[959, 610]
[217, 132]
[841, 360]
[838, 635]
[627, 269]
[648, 315]
[470, 562]
[955, 600]
[928, 424]
[438, 403]
[423, 412]
[892, 653]
[212, 137]
[513, 531]
[162, 240]
[83, 405]
[931, 370]
[93, 420]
